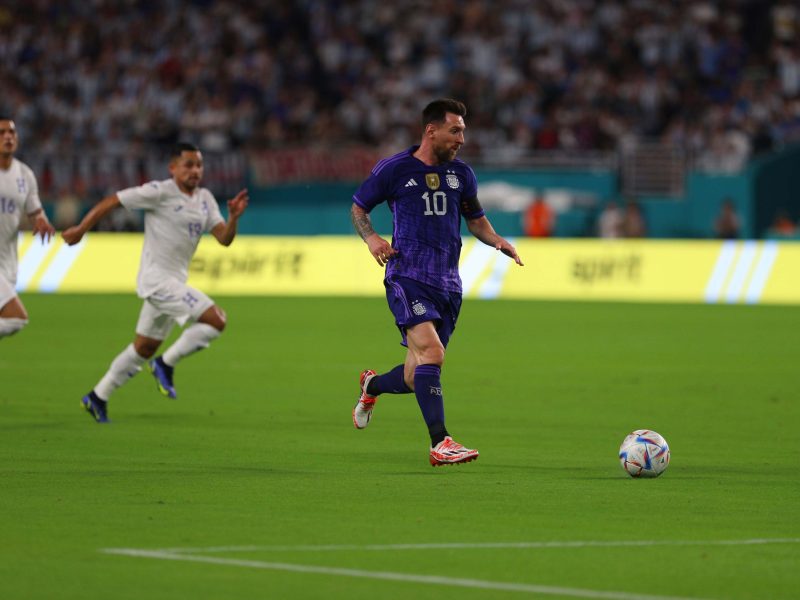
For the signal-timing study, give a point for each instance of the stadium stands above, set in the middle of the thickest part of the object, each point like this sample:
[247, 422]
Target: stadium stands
[94, 83]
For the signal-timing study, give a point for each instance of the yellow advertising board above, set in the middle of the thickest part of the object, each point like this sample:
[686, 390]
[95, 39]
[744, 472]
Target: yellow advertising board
[620, 270]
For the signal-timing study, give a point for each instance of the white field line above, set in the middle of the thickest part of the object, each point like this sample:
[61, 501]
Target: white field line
[389, 576]
[467, 545]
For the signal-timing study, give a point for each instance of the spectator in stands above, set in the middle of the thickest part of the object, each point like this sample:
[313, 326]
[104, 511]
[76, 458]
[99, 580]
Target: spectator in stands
[539, 219]
[633, 224]
[783, 224]
[580, 76]
[726, 225]
[727, 151]
[611, 221]
[67, 210]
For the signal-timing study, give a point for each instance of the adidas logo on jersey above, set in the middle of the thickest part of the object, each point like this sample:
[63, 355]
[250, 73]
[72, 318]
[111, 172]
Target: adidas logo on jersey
[411, 183]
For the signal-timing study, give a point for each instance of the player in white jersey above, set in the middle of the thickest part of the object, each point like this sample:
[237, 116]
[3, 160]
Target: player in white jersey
[177, 212]
[19, 194]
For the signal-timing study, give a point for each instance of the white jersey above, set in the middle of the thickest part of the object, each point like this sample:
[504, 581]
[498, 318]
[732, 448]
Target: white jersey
[173, 224]
[19, 195]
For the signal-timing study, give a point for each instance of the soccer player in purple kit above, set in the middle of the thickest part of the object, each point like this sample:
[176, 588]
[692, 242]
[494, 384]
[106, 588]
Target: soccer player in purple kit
[428, 191]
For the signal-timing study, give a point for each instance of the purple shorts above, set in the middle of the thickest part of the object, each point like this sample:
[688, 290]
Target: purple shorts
[412, 302]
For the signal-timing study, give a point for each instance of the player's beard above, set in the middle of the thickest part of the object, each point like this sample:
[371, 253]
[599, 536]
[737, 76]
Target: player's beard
[191, 183]
[446, 154]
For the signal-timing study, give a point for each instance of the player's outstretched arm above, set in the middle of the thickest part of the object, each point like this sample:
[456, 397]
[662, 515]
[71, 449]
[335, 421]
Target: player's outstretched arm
[41, 226]
[225, 232]
[482, 229]
[74, 234]
[380, 249]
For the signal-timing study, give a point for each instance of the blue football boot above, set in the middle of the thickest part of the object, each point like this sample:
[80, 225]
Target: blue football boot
[96, 407]
[163, 375]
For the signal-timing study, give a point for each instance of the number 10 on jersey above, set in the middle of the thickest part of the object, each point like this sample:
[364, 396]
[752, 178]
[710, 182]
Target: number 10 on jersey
[438, 203]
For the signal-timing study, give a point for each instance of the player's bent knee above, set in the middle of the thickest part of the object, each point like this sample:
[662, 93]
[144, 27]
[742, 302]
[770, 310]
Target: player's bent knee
[146, 347]
[432, 356]
[223, 320]
[13, 309]
[215, 317]
[11, 326]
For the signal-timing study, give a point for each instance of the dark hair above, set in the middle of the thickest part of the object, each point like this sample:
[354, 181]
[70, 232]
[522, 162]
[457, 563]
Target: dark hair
[180, 148]
[4, 117]
[435, 111]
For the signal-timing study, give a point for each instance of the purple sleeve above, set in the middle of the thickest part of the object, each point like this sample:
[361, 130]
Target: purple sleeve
[373, 191]
[470, 207]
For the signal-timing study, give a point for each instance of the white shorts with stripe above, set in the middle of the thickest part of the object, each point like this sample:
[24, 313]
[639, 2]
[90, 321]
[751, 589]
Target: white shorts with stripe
[173, 302]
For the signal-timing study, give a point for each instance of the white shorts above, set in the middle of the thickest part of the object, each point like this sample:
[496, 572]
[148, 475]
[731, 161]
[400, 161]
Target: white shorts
[172, 303]
[7, 291]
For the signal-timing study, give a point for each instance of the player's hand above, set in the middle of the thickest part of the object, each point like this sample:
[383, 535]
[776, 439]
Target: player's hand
[237, 204]
[72, 235]
[509, 251]
[380, 249]
[43, 228]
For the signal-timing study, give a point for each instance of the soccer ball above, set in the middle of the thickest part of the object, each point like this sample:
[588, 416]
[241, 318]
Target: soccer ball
[644, 453]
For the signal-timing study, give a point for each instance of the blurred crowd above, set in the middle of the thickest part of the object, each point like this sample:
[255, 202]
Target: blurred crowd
[116, 77]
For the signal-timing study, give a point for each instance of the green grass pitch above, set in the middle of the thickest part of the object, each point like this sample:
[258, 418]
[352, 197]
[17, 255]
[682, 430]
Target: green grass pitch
[257, 473]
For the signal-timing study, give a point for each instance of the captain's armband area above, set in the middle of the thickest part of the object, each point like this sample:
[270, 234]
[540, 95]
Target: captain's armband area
[470, 206]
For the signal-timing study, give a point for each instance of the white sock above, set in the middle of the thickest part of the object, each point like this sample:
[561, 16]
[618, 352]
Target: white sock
[11, 326]
[194, 338]
[125, 366]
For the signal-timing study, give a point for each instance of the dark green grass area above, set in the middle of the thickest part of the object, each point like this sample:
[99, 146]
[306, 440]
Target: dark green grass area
[259, 450]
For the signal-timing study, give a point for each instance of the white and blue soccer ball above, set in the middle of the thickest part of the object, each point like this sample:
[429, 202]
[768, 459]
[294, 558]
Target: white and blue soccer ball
[644, 453]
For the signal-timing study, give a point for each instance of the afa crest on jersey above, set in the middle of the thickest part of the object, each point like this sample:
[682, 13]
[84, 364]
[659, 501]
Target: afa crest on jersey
[452, 181]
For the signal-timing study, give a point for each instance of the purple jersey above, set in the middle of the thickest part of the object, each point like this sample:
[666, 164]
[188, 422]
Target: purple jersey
[427, 204]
